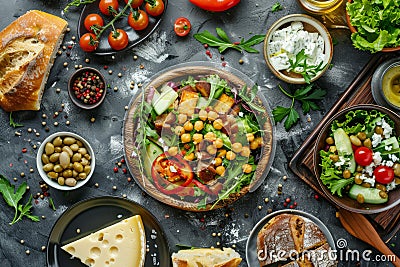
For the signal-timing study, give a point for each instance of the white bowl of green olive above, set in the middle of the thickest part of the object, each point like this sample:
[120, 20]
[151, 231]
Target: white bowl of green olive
[65, 161]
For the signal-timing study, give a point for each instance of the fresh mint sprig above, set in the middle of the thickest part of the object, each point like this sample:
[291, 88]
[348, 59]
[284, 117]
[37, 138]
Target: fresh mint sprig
[306, 95]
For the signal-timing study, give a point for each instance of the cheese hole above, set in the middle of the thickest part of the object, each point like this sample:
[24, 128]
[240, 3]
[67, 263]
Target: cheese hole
[114, 251]
[101, 236]
[90, 261]
[105, 243]
[95, 252]
[112, 260]
[71, 250]
[107, 263]
[119, 237]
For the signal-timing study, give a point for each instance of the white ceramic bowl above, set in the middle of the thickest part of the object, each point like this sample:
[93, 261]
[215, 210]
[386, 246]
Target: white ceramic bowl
[311, 25]
[52, 182]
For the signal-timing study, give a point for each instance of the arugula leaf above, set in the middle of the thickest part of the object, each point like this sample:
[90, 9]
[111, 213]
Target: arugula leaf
[276, 7]
[223, 42]
[13, 198]
[306, 95]
[13, 123]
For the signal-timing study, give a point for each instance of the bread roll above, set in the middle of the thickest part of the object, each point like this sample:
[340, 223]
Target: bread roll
[206, 257]
[27, 50]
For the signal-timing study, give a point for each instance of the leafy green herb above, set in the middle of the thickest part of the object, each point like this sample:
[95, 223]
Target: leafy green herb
[223, 42]
[13, 123]
[307, 96]
[13, 198]
[77, 3]
[249, 95]
[300, 66]
[276, 7]
[51, 203]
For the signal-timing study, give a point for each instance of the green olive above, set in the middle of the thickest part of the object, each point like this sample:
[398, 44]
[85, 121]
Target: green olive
[57, 141]
[61, 180]
[52, 175]
[64, 159]
[48, 167]
[78, 167]
[58, 168]
[74, 173]
[57, 149]
[87, 169]
[82, 150]
[79, 143]
[49, 148]
[82, 176]
[84, 162]
[67, 173]
[87, 156]
[45, 159]
[74, 147]
[70, 181]
[68, 150]
[54, 157]
[76, 157]
[69, 141]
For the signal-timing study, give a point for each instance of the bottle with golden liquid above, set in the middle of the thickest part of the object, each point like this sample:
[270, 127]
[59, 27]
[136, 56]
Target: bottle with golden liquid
[332, 13]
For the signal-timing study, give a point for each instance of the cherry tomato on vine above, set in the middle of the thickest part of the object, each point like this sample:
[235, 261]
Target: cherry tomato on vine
[154, 7]
[138, 20]
[363, 156]
[384, 174]
[118, 39]
[88, 42]
[106, 6]
[182, 26]
[93, 20]
[135, 3]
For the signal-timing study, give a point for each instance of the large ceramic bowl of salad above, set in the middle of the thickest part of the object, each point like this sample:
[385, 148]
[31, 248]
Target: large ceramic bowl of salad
[199, 137]
[357, 159]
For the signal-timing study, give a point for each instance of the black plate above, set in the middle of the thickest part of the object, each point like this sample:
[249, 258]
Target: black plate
[135, 37]
[96, 213]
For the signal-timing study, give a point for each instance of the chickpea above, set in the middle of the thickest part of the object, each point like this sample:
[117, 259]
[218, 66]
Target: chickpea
[203, 115]
[247, 168]
[367, 185]
[381, 187]
[357, 179]
[355, 141]
[179, 130]
[334, 157]
[383, 194]
[186, 138]
[219, 143]
[189, 157]
[332, 149]
[346, 174]
[198, 125]
[217, 162]
[237, 147]
[220, 170]
[210, 136]
[173, 151]
[245, 151]
[378, 130]
[212, 115]
[254, 145]
[221, 153]
[188, 126]
[230, 155]
[396, 180]
[396, 169]
[250, 137]
[367, 143]
[259, 140]
[211, 149]
[359, 168]
[360, 198]
[182, 118]
[218, 124]
[362, 136]
[330, 140]
[197, 138]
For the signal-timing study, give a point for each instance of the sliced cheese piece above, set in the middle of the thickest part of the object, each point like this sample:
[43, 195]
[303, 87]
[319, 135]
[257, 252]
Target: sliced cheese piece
[120, 244]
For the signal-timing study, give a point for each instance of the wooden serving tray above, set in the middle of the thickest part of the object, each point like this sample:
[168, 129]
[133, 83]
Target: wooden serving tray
[302, 164]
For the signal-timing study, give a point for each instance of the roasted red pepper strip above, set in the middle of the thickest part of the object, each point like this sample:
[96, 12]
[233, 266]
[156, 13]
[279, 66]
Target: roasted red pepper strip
[215, 5]
[182, 169]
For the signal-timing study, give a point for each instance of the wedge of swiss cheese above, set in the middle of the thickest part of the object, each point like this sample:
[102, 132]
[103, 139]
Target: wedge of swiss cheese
[120, 244]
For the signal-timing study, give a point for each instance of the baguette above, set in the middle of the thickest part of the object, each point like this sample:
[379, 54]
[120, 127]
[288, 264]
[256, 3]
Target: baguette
[206, 257]
[27, 51]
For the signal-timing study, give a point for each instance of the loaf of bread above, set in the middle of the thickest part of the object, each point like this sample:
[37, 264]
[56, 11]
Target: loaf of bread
[206, 257]
[27, 50]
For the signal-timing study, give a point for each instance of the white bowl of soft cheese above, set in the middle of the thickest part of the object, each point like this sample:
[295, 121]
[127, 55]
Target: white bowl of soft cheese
[298, 49]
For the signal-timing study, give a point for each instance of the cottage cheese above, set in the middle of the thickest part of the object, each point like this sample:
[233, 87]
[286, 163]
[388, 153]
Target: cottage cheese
[286, 43]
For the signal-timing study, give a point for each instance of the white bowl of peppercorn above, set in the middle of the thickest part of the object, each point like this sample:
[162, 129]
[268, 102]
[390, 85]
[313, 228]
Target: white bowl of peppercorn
[87, 88]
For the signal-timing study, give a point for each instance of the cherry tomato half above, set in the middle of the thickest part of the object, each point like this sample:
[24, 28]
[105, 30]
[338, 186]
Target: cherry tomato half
[118, 39]
[182, 26]
[138, 20]
[93, 20]
[384, 174]
[154, 7]
[88, 42]
[106, 5]
[363, 156]
[135, 3]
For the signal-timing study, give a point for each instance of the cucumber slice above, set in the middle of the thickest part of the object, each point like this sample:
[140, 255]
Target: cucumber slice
[167, 97]
[344, 148]
[152, 152]
[371, 195]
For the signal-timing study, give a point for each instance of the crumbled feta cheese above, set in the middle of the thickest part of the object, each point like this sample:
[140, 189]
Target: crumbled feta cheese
[389, 163]
[377, 158]
[367, 179]
[340, 162]
[387, 130]
[172, 169]
[376, 139]
[369, 169]
[391, 186]
[388, 148]
[240, 114]
[393, 157]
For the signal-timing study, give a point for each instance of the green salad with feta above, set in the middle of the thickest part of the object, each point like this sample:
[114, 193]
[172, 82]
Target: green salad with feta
[361, 157]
